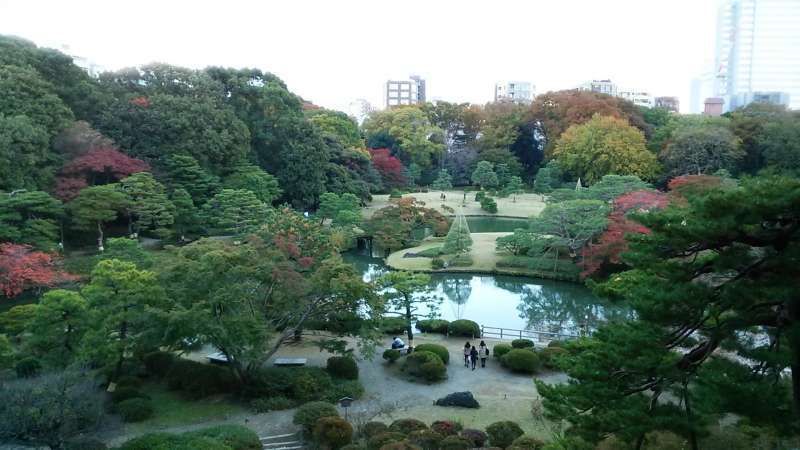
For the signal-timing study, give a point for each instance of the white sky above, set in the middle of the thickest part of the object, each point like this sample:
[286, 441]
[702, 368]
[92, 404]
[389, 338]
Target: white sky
[332, 52]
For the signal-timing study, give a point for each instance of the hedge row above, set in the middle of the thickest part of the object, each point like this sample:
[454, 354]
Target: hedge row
[223, 437]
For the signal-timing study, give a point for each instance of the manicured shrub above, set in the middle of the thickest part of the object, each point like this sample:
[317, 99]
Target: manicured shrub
[500, 350]
[479, 196]
[489, 205]
[555, 343]
[437, 263]
[28, 367]
[402, 445]
[126, 393]
[446, 427]
[129, 381]
[310, 383]
[332, 432]
[134, 409]
[158, 363]
[426, 365]
[550, 355]
[522, 343]
[502, 434]
[262, 405]
[167, 441]
[526, 443]
[342, 367]
[308, 414]
[370, 429]
[425, 439]
[395, 194]
[200, 380]
[346, 388]
[407, 425]
[379, 440]
[461, 261]
[522, 361]
[392, 325]
[236, 437]
[464, 328]
[477, 437]
[455, 443]
[391, 355]
[433, 326]
[440, 351]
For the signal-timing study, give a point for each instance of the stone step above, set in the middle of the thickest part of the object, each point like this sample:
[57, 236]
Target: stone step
[277, 436]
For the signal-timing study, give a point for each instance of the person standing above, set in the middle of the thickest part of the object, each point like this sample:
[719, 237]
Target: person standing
[473, 356]
[467, 349]
[483, 350]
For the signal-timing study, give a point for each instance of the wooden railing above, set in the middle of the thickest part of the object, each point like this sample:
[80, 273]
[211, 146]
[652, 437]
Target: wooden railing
[534, 335]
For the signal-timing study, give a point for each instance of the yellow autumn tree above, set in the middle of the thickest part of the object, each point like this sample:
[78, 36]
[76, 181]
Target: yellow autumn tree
[604, 145]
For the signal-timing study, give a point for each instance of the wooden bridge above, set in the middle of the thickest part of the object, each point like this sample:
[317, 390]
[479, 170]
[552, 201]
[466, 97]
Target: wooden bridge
[541, 336]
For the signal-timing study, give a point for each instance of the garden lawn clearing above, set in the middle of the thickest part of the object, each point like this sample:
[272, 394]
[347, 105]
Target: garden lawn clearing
[527, 205]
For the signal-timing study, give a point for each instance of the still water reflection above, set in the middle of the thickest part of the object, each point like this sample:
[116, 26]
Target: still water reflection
[509, 302]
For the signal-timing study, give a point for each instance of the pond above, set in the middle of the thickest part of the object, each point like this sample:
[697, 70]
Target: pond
[519, 303]
[488, 224]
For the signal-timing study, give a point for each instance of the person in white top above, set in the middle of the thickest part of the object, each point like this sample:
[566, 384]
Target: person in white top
[398, 343]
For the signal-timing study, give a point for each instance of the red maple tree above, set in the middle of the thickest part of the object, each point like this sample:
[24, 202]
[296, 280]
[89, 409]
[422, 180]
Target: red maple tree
[23, 268]
[612, 243]
[692, 184]
[390, 168]
[142, 101]
[97, 166]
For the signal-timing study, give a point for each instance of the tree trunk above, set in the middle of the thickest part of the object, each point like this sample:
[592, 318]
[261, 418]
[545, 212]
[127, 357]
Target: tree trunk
[793, 336]
[123, 335]
[100, 236]
[689, 420]
[409, 333]
[640, 442]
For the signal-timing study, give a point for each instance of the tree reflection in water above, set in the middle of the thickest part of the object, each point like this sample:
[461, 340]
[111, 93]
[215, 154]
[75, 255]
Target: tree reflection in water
[565, 309]
[457, 289]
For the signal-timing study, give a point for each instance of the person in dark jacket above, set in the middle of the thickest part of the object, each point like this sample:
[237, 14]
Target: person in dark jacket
[473, 356]
[483, 351]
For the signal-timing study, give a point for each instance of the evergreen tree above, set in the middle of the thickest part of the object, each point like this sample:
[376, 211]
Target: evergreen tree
[184, 172]
[187, 217]
[149, 207]
[513, 187]
[95, 206]
[443, 181]
[458, 239]
[235, 211]
[484, 175]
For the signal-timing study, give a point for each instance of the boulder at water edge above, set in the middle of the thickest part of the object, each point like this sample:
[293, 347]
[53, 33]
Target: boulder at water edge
[462, 399]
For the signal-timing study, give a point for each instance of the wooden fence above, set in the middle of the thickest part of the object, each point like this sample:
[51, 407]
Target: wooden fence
[534, 335]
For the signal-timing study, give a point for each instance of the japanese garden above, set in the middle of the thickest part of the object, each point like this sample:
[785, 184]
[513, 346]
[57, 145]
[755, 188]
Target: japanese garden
[202, 259]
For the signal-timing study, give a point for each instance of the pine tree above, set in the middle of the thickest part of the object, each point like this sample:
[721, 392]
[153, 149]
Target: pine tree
[458, 239]
[443, 181]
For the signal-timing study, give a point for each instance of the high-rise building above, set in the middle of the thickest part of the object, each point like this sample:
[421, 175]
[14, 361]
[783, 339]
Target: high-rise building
[515, 91]
[405, 92]
[670, 103]
[600, 86]
[637, 97]
[758, 52]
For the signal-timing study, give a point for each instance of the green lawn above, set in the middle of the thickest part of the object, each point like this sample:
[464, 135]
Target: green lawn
[526, 205]
[172, 409]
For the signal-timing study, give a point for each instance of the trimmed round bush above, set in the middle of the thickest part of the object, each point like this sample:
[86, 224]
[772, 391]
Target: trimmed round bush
[464, 328]
[402, 445]
[395, 194]
[489, 205]
[437, 263]
[425, 439]
[200, 380]
[433, 371]
[167, 441]
[522, 361]
[555, 343]
[522, 343]
[500, 350]
[308, 414]
[332, 432]
[134, 409]
[343, 367]
[455, 443]
[477, 437]
[345, 388]
[407, 425]
[440, 351]
[262, 405]
[526, 443]
[370, 429]
[158, 363]
[502, 434]
[379, 440]
[236, 437]
[311, 383]
[126, 393]
[446, 427]
[433, 326]
[28, 367]
[426, 365]
[550, 355]
[391, 355]
[480, 195]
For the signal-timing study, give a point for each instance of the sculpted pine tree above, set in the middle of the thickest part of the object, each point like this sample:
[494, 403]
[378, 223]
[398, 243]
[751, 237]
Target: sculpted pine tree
[149, 207]
[443, 181]
[235, 211]
[458, 239]
[95, 206]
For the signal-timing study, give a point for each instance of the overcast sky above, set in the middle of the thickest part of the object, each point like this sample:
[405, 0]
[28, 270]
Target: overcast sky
[334, 51]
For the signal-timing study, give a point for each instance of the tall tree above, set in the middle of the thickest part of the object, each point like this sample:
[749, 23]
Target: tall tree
[443, 181]
[187, 216]
[337, 124]
[458, 239]
[573, 222]
[255, 180]
[343, 210]
[31, 218]
[513, 187]
[58, 325]
[148, 207]
[390, 168]
[184, 172]
[418, 141]
[484, 175]
[23, 268]
[96, 167]
[26, 161]
[235, 211]
[701, 149]
[405, 293]
[604, 145]
[95, 206]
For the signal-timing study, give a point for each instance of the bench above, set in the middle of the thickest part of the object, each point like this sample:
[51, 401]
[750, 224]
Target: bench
[290, 362]
[403, 350]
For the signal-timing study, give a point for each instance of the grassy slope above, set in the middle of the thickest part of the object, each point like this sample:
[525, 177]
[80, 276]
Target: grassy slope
[526, 205]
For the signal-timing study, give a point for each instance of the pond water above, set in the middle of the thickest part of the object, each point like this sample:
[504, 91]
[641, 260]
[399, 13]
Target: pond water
[520, 303]
[488, 224]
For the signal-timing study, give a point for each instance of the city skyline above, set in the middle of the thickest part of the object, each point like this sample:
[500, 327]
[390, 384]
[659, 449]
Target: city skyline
[352, 61]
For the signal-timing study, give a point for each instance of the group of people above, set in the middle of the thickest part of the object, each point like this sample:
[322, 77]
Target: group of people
[471, 354]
